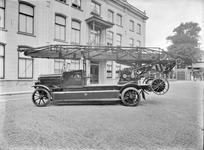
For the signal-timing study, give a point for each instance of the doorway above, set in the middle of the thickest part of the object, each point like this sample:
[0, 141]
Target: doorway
[94, 72]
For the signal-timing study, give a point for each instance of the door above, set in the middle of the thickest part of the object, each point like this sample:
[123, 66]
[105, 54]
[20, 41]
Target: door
[94, 73]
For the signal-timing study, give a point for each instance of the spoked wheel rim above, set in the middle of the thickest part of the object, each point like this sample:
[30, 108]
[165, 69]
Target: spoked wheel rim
[160, 86]
[41, 97]
[130, 97]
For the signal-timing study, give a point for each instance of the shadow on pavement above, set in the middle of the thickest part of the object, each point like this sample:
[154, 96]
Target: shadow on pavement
[150, 102]
[101, 102]
[88, 102]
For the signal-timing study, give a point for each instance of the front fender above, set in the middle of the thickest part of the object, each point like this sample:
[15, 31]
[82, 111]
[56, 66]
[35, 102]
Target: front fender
[42, 86]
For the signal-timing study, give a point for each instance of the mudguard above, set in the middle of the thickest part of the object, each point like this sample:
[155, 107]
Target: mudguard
[42, 86]
[131, 84]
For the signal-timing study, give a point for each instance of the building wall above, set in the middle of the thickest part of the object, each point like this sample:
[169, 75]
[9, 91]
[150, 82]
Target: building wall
[44, 26]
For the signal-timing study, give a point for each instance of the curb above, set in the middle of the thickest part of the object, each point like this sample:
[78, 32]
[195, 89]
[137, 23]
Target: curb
[15, 93]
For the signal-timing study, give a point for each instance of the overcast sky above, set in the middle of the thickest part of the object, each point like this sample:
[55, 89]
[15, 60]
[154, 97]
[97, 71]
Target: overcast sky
[165, 15]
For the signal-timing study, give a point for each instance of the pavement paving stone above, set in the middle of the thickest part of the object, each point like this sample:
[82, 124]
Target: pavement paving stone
[168, 122]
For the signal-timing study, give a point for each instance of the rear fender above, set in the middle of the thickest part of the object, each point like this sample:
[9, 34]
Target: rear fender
[42, 86]
[130, 85]
[142, 92]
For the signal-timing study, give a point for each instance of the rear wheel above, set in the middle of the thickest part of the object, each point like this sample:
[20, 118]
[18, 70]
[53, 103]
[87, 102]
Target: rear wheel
[130, 96]
[160, 86]
[41, 97]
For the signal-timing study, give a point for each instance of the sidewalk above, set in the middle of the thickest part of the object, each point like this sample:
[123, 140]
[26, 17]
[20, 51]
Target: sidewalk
[10, 87]
[15, 90]
[15, 93]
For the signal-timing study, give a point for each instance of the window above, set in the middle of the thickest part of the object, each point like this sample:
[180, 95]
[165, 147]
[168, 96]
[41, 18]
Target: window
[96, 35]
[76, 4]
[138, 28]
[61, 65]
[119, 20]
[25, 66]
[2, 13]
[75, 65]
[131, 42]
[131, 25]
[96, 8]
[110, 38]
[60, 25]
[109, 68]
[118, 68]
[26, 18]
[110, 16]
[118, 40]
[138, 43]
[76, 31]
[58, 66]
[2, 61]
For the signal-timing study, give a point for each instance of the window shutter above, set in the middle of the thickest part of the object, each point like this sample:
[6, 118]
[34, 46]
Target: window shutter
[60, 20]
[25, 9]
[76, 25]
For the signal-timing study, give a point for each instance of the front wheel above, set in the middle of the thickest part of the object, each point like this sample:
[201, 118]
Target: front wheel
[130, 96]
[41, 97]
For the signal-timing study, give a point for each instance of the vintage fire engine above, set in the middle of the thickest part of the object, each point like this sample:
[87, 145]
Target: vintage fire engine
[71, 85]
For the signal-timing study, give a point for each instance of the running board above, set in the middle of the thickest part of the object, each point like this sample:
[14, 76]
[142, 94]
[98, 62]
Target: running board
[86, 95]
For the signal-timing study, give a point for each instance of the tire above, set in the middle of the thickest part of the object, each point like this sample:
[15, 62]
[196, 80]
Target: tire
[130, 96]
[160, 86]
[41, 97]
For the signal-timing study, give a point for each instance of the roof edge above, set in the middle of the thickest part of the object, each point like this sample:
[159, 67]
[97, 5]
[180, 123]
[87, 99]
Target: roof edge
[132, 8]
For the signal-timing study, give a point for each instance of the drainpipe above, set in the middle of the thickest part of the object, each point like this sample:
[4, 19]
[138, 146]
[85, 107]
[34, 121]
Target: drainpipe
[48, 21]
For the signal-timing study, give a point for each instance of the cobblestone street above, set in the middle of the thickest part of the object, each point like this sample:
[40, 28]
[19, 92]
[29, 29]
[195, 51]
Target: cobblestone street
[173, 121]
